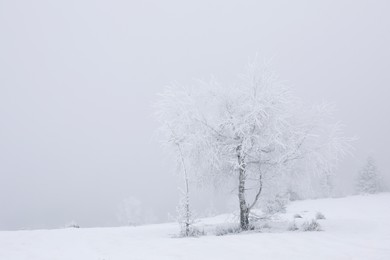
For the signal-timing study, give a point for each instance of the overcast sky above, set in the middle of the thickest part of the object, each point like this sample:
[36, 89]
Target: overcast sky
[78, 77]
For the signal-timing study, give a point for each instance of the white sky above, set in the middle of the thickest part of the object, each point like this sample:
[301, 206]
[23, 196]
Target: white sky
[78, 77]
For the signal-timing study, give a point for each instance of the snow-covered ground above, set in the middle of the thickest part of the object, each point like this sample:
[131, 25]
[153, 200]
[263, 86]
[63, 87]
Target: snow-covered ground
[356, 227]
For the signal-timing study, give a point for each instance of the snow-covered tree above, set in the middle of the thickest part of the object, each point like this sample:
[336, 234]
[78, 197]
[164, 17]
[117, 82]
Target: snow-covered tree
[369, 180]
[130, 212]
[254, 131]
[176, 132]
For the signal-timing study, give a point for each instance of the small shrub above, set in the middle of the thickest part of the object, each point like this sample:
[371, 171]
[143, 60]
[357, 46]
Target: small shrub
[297, 216]
[227, 229]
[193, 232]
[292, 226]
[72, 225]
[311, 226]
[276, 205]
[319, 215]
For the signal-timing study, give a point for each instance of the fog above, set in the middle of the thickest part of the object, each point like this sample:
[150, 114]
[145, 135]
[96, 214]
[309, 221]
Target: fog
[78, 80]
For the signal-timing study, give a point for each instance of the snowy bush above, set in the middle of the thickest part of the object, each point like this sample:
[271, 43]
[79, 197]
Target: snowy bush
[311, 226]
[297, 216]
[227, 229]
[72, 224]
[276, 205]
[192, 232]
[292, 226]
[319, 215]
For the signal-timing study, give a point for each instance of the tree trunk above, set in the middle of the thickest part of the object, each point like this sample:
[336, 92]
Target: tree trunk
[244, 209]
[188, 213]
[187, 221]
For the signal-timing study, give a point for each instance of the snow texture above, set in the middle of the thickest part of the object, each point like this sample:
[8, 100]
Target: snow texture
[355, 228]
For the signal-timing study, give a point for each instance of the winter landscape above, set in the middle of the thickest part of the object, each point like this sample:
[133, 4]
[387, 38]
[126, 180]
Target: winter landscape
[348, 233]
[198, 130]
